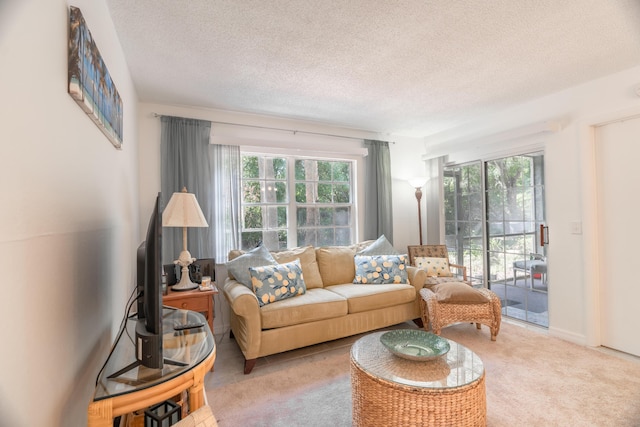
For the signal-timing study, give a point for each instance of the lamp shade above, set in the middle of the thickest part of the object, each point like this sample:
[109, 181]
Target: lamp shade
[183, 210]
[418, 182]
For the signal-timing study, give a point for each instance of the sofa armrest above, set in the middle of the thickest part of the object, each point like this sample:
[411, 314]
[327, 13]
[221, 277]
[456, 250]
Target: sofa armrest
[241, 299]
[246, 321]
[417, 277]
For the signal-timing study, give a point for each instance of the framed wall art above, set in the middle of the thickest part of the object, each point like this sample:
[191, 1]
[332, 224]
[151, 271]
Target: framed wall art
[90, 84]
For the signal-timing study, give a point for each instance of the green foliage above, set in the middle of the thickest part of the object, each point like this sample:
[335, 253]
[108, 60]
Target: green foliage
[325, 193]
[251, 192]
[300, 171]
[324, 171]
[250, 167]
[279, 168]
[252, 217]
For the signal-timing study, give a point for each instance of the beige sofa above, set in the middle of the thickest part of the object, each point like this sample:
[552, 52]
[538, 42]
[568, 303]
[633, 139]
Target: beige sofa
[333, 306]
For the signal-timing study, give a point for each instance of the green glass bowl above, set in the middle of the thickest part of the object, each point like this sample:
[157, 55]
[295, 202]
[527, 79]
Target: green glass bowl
[415, 344]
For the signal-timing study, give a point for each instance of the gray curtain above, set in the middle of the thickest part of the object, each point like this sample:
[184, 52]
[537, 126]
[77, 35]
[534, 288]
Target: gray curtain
[185, 162]
[378, 214]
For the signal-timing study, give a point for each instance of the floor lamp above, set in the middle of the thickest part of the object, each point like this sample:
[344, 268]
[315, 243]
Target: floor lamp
[184, 211]
[418, 183]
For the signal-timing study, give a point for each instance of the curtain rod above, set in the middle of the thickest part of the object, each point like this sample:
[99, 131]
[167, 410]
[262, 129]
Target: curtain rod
[282, 130]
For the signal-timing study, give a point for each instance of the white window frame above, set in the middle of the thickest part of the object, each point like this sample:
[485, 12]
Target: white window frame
[356, 192]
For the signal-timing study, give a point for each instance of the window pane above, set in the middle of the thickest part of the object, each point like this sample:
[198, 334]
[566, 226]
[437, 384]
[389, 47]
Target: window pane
[324, 171]
[276, 217]
[250, 167]
[342, 171]
[341, 193]
[250, 239]
[305, 193]
[324, 193]
[326, 216]
[342, 216]
[251, 192]
[281, 192]
[282, 217]
[307, 236]
[343, 236]
[252, 217]
[300, 170]
[277, 169]
[325, 237]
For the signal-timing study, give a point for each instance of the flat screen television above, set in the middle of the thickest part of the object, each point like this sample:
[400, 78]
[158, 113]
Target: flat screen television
[148, 339]
[149, 267]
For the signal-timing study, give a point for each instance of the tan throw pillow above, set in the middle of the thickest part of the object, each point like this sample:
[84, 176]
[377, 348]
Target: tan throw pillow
[458, 293]
[336, 264]
[307, 257]
[435, 267]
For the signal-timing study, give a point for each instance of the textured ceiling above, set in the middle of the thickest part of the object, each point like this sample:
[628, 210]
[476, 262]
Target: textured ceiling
[406, 67]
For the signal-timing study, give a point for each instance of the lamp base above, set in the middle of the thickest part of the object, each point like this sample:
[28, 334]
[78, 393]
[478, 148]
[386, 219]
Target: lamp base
[185, 283]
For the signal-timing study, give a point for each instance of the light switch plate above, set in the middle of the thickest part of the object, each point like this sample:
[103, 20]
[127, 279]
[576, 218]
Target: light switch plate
[576, 227]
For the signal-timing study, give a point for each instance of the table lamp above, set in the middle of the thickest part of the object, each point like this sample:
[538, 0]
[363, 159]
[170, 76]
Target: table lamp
[183, 211]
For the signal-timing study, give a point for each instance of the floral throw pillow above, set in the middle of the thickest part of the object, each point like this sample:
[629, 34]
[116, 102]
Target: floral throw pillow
[273, 283]
[435, 267]
[381, 269]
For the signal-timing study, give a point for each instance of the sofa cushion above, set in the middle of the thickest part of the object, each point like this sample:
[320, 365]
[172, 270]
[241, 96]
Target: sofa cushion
[379, 247]
[435, 267]
[380, 269]
[238, 267]
[315, 304]
[371, 297]
[273, 283]
[336, 264]
[307, 257]
[458, 293]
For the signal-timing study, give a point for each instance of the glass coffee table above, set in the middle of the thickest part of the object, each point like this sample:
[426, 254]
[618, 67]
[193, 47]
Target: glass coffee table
[389, 390]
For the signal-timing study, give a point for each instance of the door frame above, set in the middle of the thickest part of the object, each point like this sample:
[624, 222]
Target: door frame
[590, 227]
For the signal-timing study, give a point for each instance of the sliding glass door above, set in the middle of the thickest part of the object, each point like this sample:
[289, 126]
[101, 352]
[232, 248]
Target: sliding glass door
[493, 214]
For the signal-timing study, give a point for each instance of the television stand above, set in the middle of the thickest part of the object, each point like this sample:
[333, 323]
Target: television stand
[137, 387]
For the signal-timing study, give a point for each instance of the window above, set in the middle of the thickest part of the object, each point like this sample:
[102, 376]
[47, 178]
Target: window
[292, 201]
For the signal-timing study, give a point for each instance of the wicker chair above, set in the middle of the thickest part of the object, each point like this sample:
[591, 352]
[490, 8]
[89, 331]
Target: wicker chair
[436, 314]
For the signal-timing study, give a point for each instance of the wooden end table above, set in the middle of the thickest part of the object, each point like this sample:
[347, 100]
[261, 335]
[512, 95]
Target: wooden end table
[195, 300]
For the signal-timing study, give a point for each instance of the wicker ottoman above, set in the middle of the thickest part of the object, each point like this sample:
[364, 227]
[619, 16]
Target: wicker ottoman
[391, 391]
[436, 315]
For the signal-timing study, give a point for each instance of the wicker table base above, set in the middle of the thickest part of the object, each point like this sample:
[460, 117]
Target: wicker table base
[389, 391]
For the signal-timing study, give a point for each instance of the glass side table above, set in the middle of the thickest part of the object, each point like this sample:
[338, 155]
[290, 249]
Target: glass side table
[142, 387]
[389, 390]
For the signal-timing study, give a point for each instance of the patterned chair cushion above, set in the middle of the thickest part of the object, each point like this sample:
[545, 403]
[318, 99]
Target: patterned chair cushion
[435, 267]
[273, 283]
[381, 269]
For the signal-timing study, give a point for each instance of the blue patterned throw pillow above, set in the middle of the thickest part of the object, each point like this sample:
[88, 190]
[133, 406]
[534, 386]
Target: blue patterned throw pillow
[381, 269]
[273, 283]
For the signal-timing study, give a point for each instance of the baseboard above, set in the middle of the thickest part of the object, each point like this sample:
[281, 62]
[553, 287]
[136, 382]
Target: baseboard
[568, 336]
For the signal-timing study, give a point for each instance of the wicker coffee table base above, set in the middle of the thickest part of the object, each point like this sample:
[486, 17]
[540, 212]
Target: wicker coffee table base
[380, 403]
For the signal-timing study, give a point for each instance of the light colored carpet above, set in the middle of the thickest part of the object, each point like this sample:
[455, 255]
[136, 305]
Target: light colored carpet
[531, 379]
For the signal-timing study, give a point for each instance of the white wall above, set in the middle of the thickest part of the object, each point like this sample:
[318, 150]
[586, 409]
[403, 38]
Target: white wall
[569, 168]
[69, 217]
